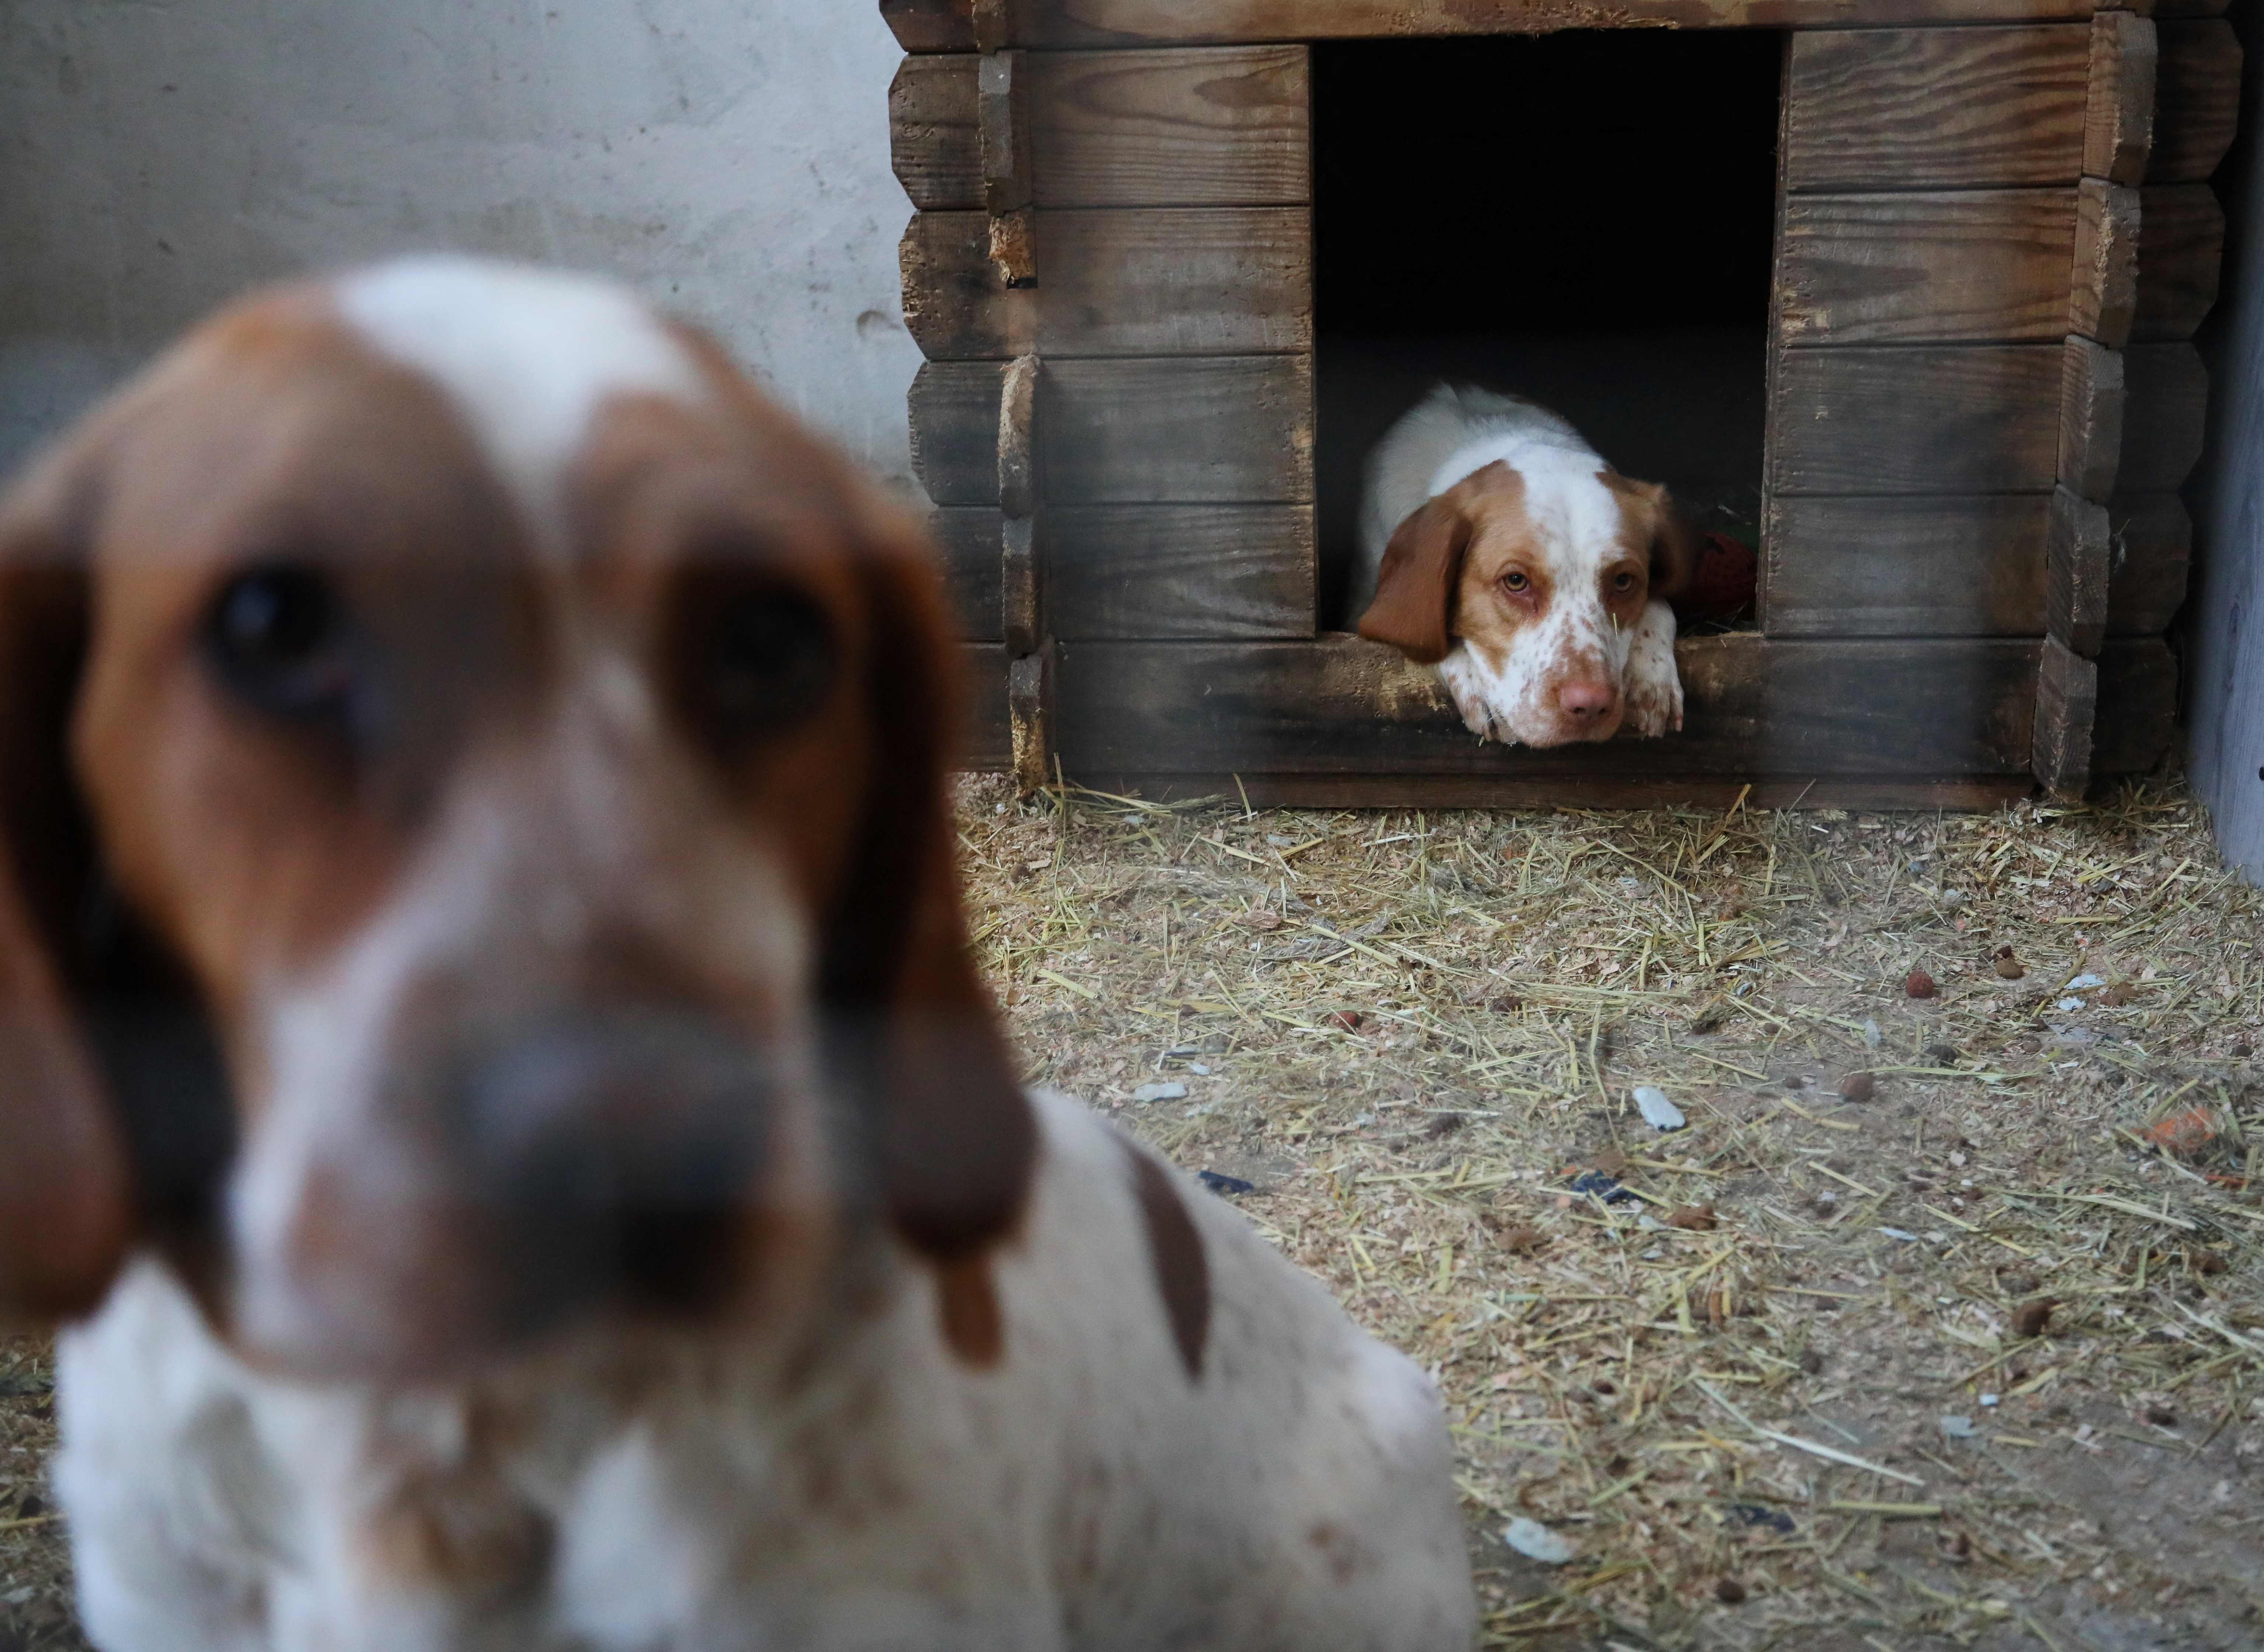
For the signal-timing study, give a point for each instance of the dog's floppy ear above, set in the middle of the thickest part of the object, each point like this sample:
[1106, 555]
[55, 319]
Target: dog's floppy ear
[1413, 608]
[66, 1193]
[956, 1139]
[1674, 549]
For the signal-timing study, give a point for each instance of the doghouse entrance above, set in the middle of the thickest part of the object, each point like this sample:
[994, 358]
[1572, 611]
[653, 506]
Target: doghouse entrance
[1583, 218]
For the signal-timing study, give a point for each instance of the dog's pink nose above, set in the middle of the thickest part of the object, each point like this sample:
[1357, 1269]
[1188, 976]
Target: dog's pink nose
[1586, 698]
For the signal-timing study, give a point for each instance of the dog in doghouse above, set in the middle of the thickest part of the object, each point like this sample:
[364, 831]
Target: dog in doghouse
[493, 1075]
[1497, 544]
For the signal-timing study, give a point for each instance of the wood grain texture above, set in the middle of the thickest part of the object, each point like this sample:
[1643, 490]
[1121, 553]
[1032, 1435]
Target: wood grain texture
[967, 544]
[2180, 251]
[1152, 281]
[1156, 22]
[1925, 420]
[2135, 729]
[1202, 126]
[1180, 570]
[1983, 265]
[1018, 437]
[2078, 558]
[2197, 99]
[955, 430]
[2152, 536]
[2103, 296]
[985, 742]
[931, 26]
[2166, 411]
[1754, 706]
[1953, 566]
[1003, 122]
[2067, 703]
[1509, 791]
[1209, 126]
[1870, 109]
[2118, 124]
[1030, 720]
[2093, 399]
[935, 140]
[1201, 429]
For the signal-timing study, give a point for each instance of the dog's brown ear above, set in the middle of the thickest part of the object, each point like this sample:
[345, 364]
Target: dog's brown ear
[66, 1194]
[1413, 609]
[956, 1141]
[1674, 550]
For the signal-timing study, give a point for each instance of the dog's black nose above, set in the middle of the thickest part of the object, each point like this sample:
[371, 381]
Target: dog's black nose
[616, 1151]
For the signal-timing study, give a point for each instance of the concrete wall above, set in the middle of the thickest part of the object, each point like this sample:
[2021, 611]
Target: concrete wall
[729, 157]
[2225, 615]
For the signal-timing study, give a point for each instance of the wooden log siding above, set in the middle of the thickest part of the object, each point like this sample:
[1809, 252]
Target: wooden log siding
[1124, 282]
[1207, 127]
[2197, 99]
[945, 26]
[1880, 109]
[1923, 420]
[1946, 566]
[1987, 266]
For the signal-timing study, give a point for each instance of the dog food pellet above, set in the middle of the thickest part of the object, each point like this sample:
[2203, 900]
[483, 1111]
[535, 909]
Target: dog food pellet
[1919, 985]
[1858, 1087]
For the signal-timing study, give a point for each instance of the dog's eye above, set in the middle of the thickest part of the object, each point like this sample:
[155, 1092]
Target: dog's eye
[1623, 581]
[277, 637]
[770, 659]
[1514, 580]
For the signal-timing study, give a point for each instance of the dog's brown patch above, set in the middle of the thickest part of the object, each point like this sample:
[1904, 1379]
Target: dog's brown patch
[973, 1327]
[1175, 1250]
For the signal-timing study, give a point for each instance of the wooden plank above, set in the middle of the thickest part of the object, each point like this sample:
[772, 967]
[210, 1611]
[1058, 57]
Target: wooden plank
[1928, 708]
[2077, 559]
[2180, 251]
[1151, 281]
[2067, 699]
[2197, 99]
[1180, 570]
[2152, 540]
[1003, 122]
[1870, 795]
[2118, 127]
[2104, 289]
[1985, 266]
[1209, 126]
[2093, 398]
[934, 135]
[1030, 720]
[1021, 603]
[2164, 418]
[1197, 430]
[2135, 729]
[1869, 108]
[1905, 567]
[1924, 420]
[984, 742]
[1101, 23]
[955, 430]
[931, 26]
[966, 538]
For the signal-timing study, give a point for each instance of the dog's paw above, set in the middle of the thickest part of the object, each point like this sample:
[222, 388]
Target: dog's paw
[1654, 708]
[1654, 686]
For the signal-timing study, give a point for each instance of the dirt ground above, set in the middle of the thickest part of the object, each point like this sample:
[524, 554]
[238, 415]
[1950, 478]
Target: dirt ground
[1783, 1377]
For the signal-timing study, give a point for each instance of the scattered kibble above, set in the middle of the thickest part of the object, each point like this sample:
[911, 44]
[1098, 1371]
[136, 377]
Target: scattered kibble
[1919, 985]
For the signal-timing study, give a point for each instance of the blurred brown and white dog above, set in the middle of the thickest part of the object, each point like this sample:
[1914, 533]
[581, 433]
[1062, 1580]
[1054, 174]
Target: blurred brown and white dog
[1497, 544]
[486, 1034]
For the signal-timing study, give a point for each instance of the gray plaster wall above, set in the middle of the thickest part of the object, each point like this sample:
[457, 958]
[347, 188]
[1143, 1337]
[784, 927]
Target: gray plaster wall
[2225, 613]
[728, 157]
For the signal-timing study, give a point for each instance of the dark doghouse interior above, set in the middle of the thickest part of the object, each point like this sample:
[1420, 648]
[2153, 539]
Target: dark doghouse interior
[1583, 218]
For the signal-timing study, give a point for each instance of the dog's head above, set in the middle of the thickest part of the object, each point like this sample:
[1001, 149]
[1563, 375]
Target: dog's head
[477, 856]
[1539, 573]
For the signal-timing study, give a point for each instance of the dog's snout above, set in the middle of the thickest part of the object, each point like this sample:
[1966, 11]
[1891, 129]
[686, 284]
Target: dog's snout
[1586, 698]
[616, 1152]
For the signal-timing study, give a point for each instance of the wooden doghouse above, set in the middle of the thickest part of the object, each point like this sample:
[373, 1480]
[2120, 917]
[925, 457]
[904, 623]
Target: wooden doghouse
[1994, 241]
